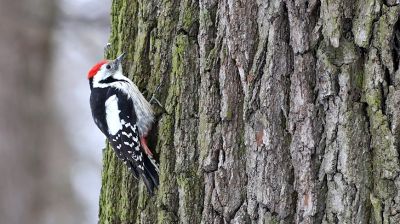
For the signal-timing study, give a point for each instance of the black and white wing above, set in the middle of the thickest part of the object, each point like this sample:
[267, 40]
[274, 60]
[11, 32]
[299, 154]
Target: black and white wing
[123, 135]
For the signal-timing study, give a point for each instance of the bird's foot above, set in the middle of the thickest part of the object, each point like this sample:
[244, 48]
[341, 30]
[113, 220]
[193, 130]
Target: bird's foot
[155, 100]
[107, 47]
[143, 142]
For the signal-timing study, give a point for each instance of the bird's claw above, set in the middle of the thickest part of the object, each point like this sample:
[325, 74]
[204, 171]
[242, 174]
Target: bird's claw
[107, 48]
[154, 99]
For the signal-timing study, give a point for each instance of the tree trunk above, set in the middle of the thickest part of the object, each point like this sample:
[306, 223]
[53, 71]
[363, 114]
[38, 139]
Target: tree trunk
[275, 111]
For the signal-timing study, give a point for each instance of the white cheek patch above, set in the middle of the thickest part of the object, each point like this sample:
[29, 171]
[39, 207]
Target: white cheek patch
[99, 76]
[112, 115]
[102, 74]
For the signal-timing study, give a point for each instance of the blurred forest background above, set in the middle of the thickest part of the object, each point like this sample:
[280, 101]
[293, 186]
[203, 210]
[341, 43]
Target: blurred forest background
[50, 151]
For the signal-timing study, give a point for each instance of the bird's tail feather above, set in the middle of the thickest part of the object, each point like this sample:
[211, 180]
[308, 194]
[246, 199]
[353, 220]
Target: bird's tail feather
[150, 174]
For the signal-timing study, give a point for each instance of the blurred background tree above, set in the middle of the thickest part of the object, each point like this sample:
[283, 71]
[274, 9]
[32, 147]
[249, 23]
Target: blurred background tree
[50, 150]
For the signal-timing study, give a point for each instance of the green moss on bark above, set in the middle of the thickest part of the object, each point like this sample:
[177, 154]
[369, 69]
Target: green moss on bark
[147, 35]
[118, 192]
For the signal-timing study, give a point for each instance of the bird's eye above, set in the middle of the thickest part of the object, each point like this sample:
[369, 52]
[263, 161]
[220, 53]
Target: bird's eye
[108, 66]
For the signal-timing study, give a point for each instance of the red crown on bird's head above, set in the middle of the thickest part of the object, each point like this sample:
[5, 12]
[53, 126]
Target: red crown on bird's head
[93, 71]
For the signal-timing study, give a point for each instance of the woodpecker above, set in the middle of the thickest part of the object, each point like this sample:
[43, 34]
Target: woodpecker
[125, 117]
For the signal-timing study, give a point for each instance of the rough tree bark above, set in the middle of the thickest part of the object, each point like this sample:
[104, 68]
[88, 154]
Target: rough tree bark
[276, 111]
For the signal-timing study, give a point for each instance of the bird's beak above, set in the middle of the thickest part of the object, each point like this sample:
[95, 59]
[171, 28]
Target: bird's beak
[119, 60]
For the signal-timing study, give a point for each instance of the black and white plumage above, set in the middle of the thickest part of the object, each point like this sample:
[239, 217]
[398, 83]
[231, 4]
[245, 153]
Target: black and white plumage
[124, 116]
